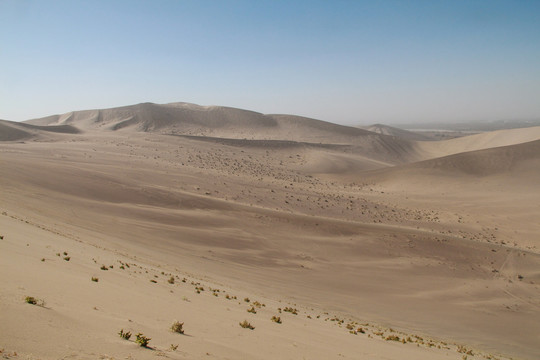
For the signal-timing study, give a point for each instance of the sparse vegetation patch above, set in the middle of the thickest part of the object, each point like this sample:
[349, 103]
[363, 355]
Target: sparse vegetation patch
[142, 340]
[246, 325]
[34, 301]
[177, 327]
[124, 335]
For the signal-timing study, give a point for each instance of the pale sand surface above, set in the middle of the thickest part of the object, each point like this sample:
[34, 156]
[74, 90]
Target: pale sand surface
[445, 249]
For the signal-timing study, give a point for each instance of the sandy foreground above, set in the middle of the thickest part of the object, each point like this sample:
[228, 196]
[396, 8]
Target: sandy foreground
[411, 251]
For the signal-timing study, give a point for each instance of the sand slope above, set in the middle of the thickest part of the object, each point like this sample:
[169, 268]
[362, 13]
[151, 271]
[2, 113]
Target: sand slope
[442, 254]
[480, 141]
[14, 131]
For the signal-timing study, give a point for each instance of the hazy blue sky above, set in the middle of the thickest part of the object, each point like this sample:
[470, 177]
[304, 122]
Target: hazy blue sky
[340, 61]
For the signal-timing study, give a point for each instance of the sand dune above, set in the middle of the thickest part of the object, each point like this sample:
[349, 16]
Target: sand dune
[216, 121]
[480, 141]
[13, 131]
[393, 131]
[350, 230]
[511, 160]
[230, 123]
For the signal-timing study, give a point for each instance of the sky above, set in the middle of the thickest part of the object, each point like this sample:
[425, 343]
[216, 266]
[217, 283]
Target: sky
[348, 62]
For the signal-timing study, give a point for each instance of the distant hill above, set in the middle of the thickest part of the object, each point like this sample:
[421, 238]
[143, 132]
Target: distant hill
[216, 121]
[230, 123]
[394, 131]
[353, 149]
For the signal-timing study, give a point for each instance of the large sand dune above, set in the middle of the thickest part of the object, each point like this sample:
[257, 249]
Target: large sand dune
[440, 254]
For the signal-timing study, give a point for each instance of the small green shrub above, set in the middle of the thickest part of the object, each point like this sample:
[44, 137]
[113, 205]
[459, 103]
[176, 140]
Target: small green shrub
[125, 335]
[246, 325]
[291, 310]
[142, 340]
[34, 301]
[95, 279]
[67, 258]
[177, 327]
[103, 267]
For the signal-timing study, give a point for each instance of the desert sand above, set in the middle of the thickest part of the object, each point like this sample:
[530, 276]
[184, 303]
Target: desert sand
[365, 245]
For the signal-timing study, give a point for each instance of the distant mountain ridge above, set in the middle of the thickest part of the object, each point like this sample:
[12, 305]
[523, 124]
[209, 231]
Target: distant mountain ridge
[346, 148]
[217, 121]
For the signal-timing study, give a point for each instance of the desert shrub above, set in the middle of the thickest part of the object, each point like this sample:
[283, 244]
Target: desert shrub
[177, 327]
[247, 300]
[276, 319]
[464, 350]
[142, 340]
[124, 335]
[171, 280]
[173, 347]
[34, 301]
[246, 325]
[95, 279]
[392, 338]
[291, 310]
[252, 310]
[67, 258]
[103, 267]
